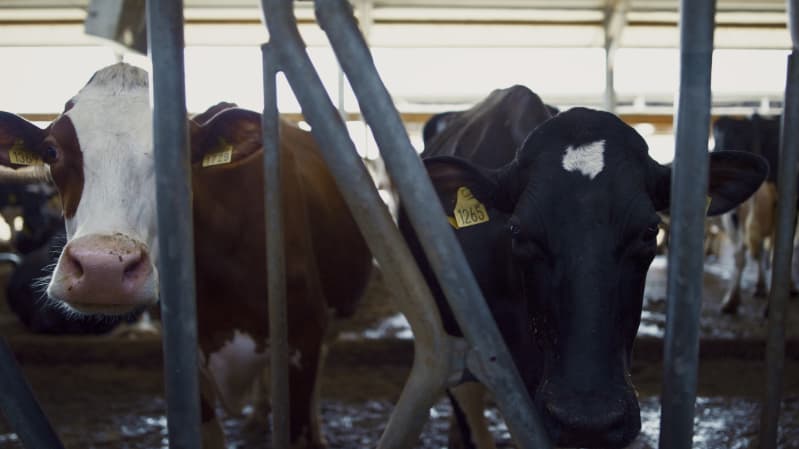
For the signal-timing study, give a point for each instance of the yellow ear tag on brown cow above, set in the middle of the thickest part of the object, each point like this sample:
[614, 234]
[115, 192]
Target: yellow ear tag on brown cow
[708, 199]
[20, 155]
[468, 210]
[221, 156]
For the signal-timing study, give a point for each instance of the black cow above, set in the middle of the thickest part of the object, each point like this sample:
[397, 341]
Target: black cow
[559, 228]
[28, 300]
[753, 223]
[37, 245]
[40, 217]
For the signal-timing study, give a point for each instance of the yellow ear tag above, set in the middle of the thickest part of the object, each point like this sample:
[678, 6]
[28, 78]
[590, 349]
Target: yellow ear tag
[468, 210]
[452, 222]
[19, 155]
[223, 155]
[708, 200]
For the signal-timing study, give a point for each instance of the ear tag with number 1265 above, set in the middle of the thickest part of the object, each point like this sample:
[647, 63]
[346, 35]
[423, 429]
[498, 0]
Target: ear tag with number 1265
[469, 211]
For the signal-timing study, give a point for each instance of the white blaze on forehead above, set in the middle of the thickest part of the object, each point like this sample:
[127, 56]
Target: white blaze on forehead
[588, 159]
[113, 123]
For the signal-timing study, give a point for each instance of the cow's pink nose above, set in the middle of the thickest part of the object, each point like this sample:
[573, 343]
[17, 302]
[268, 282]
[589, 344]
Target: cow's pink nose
[124, 264]
[104, 270]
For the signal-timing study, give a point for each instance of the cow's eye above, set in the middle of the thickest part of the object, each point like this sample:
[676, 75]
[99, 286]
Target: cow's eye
[651, 232]
[513, 227]
[50, 154]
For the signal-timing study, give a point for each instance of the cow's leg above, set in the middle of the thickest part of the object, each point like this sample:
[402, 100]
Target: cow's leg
[213, 437]
[757, 253]
[732, 299]
[468, 427]
[305, 361]
[261, 406]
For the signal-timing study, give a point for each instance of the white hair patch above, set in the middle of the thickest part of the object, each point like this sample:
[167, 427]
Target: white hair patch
[587, 159]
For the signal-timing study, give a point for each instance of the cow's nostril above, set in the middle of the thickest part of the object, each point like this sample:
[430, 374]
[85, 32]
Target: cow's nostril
[135, 265]
[74, 267]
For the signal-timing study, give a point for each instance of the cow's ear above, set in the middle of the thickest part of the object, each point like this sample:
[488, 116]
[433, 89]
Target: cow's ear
[450, 174]
[436, 125]
[208, 114]
[227, 137]
[19, 140]
[733, 177]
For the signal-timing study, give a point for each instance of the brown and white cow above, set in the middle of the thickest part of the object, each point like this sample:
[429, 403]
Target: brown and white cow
[99, 154]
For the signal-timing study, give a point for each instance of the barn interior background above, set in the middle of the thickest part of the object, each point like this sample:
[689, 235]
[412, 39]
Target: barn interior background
[433, 56]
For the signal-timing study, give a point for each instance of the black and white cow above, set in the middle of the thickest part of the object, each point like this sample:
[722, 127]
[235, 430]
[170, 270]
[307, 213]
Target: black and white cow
[753, 223]
[559, 227]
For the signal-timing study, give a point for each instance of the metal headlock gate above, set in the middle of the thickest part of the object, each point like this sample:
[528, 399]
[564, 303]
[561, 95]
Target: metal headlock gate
[439, 360]
[434, 367]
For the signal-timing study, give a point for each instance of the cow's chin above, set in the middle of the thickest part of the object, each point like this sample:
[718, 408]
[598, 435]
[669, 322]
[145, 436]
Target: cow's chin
[92, 303]
[617, 438]
[107, 309]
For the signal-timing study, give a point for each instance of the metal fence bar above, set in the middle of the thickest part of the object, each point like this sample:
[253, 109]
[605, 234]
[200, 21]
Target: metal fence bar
[175, 223]
[684, 288]
[496, 366]
[20, 407]
[275, 257]
[433, 348]
[783, 249]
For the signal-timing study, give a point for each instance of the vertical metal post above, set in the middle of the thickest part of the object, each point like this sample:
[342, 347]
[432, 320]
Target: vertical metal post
[275, 256]
[783, 249]
[689, 179]
[492, 361]
[20, 406]
[614, 23]
[610, 88]
[175, 218]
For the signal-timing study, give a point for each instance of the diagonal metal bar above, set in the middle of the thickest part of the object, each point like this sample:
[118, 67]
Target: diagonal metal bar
[20, 407]
[446, 257]
[433, 366]
[275, 257]
[783, 245]
[689, 176]
[175, 223]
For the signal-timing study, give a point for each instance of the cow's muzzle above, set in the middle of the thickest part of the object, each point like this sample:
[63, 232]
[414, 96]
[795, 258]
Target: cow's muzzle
[608, 418]
[108, 274]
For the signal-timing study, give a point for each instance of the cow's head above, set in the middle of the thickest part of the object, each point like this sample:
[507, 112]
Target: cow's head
[576, 213]
[99, 155]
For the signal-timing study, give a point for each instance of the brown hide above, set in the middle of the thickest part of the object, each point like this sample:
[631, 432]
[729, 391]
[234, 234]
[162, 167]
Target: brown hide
[322, 241]
[327, 261]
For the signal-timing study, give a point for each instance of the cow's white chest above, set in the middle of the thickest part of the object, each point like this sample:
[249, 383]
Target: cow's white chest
[235, 367]
[587, 159]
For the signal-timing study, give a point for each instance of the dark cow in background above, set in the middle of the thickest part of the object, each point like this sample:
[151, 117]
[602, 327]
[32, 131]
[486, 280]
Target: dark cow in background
[99, 153]
[26, 296]
[559, 228]
[35, 204]
[37, 245]
[752, 225]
